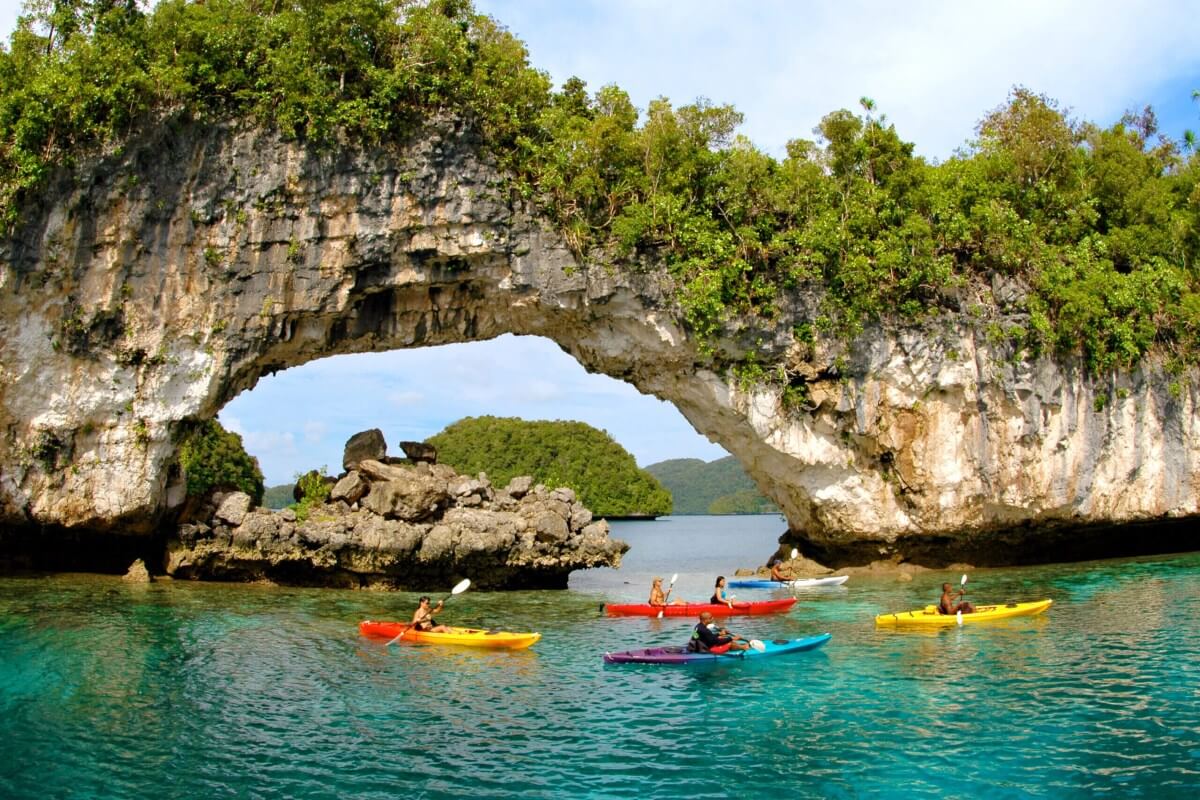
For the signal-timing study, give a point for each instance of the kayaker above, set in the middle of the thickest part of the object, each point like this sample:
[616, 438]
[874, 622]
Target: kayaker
[423, 617]
[947, 604]
[706, 640]
[719, 595]
[660, 598]
[777, 573]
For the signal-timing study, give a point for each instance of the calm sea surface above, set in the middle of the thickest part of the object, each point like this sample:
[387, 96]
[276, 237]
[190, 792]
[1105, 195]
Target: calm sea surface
[186, 690]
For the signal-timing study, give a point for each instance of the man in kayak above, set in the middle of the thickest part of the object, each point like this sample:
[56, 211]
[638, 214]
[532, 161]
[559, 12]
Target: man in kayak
[660, 598]
[777, 573]
[706, 640]
[947, 604]
[423, 617]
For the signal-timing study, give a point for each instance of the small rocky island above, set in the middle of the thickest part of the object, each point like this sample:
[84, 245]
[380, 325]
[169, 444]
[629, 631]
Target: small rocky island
[393, 523]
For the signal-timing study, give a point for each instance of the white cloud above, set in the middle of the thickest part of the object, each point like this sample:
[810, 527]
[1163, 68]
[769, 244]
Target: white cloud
[935, 68]
[314, 431]
[403, 399]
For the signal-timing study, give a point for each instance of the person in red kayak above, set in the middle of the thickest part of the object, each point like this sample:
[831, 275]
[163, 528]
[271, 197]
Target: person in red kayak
[423, 617]
[660, 598]
[947, 604]
[706, 640]
[719, 595]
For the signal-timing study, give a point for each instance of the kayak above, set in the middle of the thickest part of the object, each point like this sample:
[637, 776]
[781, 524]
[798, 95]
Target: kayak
[466, 637]
[799, 583]
[693, 609]
[680, 655]
[930, 617]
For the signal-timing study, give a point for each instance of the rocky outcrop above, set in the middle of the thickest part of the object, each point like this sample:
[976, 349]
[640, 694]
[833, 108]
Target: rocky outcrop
[432, 528]
[143, 290]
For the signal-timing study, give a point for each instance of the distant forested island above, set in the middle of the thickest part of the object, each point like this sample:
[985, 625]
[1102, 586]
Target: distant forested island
[601, 471]
[603, 474]
[713, 487]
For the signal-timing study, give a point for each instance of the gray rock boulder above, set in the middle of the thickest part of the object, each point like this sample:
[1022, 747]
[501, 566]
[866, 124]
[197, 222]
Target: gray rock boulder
[351, 488]
[234, 507]
[362, 446]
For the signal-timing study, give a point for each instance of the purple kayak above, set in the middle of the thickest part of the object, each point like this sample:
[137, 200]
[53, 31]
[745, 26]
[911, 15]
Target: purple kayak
[680, 655]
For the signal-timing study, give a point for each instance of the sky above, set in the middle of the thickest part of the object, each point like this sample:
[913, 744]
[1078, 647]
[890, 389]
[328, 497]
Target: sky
[934, 68]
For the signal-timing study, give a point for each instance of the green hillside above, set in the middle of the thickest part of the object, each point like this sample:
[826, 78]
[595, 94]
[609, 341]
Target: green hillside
[278, 496]
[603, 474]
[714, 487]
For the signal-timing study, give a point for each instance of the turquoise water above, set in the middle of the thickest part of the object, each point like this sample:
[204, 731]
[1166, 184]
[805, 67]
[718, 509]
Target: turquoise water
[188, 690]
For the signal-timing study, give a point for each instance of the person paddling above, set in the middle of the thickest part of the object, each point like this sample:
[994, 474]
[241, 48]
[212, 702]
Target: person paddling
[719, 595]
[948, 606]
[777, 573]
[660, 598]
[706, 640]
[423, 619]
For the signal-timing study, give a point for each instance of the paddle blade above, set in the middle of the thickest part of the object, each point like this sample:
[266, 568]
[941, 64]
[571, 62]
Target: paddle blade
[795, 554]
[674, 578]
[660, 613]
[461, 586]
[958, 616]
[755, 644]
[963, 582]
[398, 637]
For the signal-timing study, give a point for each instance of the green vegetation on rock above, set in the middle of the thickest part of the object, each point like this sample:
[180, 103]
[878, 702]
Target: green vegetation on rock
[713, 487]
[214, 458]
[1053, 235]
[603, 474]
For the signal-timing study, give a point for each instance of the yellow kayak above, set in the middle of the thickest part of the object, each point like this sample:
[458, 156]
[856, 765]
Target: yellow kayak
[466, 637]
[931, 617]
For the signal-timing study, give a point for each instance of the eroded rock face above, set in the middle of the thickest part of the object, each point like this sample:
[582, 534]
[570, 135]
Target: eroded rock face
[147, 289]
[500, 543]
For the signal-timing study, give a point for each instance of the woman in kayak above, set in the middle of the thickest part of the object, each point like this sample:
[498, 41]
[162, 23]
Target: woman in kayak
[659, 598]
[706, 640]
[719, 595]
[423, 617]
[947, 604]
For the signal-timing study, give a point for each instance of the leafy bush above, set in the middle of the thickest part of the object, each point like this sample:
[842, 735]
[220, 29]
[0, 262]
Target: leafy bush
[1101, 225]
[603, 474]
[213, 458]
[314, 487]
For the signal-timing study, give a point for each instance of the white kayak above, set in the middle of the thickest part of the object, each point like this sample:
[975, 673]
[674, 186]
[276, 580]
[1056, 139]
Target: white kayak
[799, 583]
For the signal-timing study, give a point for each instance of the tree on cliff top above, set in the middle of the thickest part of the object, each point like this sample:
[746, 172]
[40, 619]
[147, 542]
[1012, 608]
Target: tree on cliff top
[1092, 233]
[603, 474]
[214, 458]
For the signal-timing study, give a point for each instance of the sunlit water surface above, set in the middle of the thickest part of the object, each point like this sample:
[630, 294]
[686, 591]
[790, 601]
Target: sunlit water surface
[188, 690]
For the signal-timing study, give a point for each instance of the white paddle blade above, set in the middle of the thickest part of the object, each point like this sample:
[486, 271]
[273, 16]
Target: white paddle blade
[755, 644]
[674, 578]
[795, 554]
[461, 586]
[958, 616]
[660, 613]
[963, 582]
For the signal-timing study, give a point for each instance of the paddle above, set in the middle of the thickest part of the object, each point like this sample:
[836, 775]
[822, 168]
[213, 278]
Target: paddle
[459, 588]
[962, 587]
[667, 596]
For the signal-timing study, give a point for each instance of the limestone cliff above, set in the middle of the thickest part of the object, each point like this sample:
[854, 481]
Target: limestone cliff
[145, 289]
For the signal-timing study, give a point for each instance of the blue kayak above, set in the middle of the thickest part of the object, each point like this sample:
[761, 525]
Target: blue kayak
[799, 583]
[680, 655]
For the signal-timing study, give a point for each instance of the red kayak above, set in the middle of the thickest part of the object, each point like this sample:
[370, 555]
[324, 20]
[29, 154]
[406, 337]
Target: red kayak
[694, 609]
